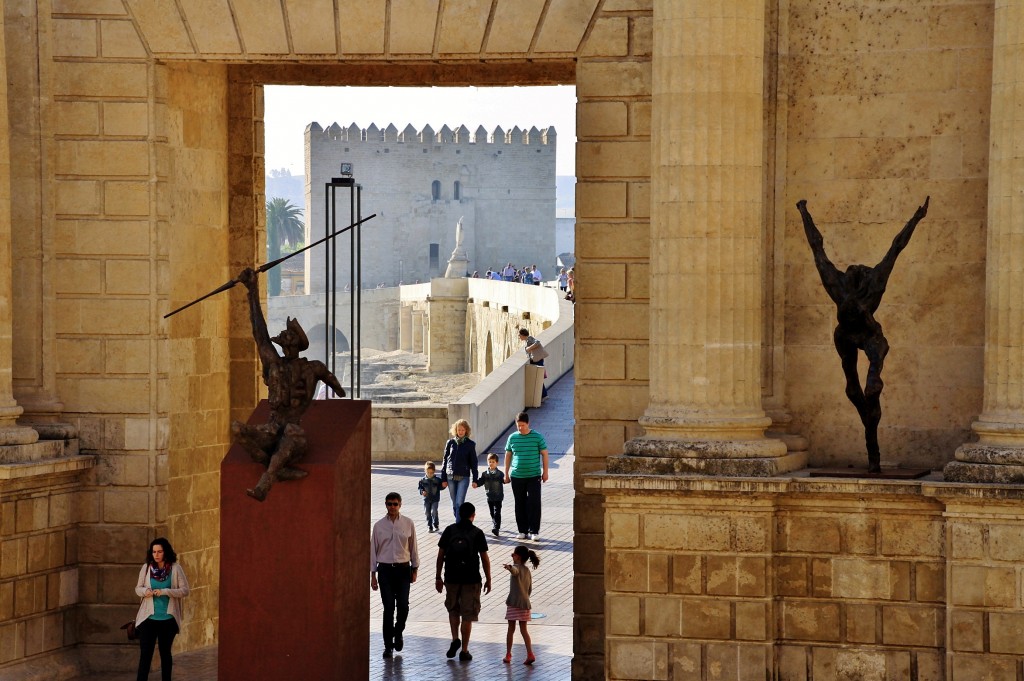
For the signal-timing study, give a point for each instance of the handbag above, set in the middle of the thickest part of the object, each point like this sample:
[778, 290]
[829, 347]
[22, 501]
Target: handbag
[129, 628]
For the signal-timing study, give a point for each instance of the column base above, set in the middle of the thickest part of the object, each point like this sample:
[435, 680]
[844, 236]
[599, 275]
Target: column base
[11, 432]
[763, 457]
[979, 462]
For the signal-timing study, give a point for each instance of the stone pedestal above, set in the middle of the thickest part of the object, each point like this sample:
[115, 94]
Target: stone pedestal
[446, 325]
[294, 584]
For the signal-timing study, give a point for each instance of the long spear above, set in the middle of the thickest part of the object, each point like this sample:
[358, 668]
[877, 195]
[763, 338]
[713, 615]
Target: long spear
[266, 266]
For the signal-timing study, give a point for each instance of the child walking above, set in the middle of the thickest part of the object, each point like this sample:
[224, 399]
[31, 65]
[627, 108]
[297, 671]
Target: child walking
[518, 601]
[430, 490]
[493, 482]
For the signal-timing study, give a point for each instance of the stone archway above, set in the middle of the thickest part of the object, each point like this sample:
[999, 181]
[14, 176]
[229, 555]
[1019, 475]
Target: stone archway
[174, 163]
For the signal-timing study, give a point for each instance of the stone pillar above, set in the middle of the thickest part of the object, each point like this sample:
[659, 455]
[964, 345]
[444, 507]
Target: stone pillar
[417, 330]
[405, 328]
[998, 456]
[705, 413]
[10, 432]
[446, 325]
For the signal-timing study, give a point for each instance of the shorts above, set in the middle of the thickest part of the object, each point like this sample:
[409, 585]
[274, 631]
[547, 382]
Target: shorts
[463, 600]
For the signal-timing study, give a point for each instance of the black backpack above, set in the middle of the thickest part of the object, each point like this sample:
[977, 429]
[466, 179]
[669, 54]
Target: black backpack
[460, 549]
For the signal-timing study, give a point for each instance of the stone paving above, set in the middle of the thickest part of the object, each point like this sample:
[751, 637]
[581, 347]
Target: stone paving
[427, 634]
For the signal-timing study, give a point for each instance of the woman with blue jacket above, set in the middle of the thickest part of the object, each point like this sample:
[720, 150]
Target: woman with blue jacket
[459, 468]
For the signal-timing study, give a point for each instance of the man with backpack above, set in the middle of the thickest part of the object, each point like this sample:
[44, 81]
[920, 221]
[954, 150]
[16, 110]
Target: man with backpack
[460, 551]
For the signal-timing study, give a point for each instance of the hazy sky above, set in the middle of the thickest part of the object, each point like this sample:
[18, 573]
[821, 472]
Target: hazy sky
[289, 109]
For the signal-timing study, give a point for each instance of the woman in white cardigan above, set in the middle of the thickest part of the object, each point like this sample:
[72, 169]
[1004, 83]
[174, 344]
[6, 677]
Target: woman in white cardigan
[162, 585]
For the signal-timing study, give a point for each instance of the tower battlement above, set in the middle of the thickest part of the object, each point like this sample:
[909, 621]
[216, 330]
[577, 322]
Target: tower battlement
[427, 135]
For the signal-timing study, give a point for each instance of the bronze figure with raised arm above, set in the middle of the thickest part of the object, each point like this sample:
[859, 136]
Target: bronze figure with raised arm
[857, 292]
[291, 384]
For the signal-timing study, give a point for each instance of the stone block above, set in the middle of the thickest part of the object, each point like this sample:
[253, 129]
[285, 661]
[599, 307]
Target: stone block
[112, 543]
[76, 118]
[810, 621]
[899, 578]
[860, 579]
[640, 200]
[930, 581]
[74, 38]
[821, 578]
[905, 625]
[407, 36]
[597, 239]
[68, 588]
[80, 356]
[625, 158]
[633, 659]
[988, 667]
[686, 533]
[126, 198]
[37, 558]
[657, 572]
[1006, 632]
[810, 535]
[791, 576]
[312, 35]
[908, 537]
[627, 571]
[930, 666]
[564, 26]
[860, 623]
[601, 119]
[600, 200]
[706, 618]
[1006, 542]
[661, 616]
[606, 281]
[982, 586]
[751, 621]
[608, 38]
[74, 197]
[792, 662]
[623, 615]
[601, 362]
[968, 630]
[80, 276]
[94, 79]
[120, 40]
[638, 362]
[612, 79]
[686, 574]
[861, 665]
[685, 662]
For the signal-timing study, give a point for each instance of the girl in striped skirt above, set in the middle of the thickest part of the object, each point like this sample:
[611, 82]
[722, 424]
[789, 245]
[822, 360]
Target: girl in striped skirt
[518, 601]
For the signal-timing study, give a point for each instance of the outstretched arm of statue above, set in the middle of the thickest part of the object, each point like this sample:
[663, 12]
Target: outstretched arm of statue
[830, 276]
[884, 268]
[249, 278]
[331, 380]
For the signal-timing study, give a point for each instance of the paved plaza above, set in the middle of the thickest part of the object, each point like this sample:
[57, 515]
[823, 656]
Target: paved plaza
[427, 635]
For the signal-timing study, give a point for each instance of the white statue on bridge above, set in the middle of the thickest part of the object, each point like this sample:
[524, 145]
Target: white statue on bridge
[458, 264]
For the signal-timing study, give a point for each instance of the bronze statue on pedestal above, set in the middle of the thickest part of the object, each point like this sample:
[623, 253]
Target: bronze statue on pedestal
[291, 383]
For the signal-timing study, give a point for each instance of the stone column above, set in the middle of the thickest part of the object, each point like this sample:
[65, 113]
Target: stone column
[10, 432]
[998, 456]
[705, 413]
[446, 325]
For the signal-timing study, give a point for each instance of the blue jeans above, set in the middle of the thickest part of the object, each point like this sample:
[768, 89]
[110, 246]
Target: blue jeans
[458, 489]
[430, 507]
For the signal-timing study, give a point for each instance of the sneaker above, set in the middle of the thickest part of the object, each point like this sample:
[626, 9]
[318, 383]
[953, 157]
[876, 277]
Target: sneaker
[387, 653]
[399, 643]
[464, 656]
[522, 535]
[530, 659]
[495, 532]
[535, 536]
[453, 648]
[507, 659]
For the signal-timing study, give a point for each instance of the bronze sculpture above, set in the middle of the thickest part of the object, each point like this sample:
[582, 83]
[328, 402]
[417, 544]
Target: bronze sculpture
[857, 294]
[291, 383]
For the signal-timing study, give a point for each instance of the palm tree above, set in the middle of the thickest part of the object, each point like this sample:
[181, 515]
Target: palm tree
[284, 227]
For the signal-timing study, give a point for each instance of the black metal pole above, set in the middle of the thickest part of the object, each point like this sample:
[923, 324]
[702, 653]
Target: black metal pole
[327, 271]
[359, 296]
